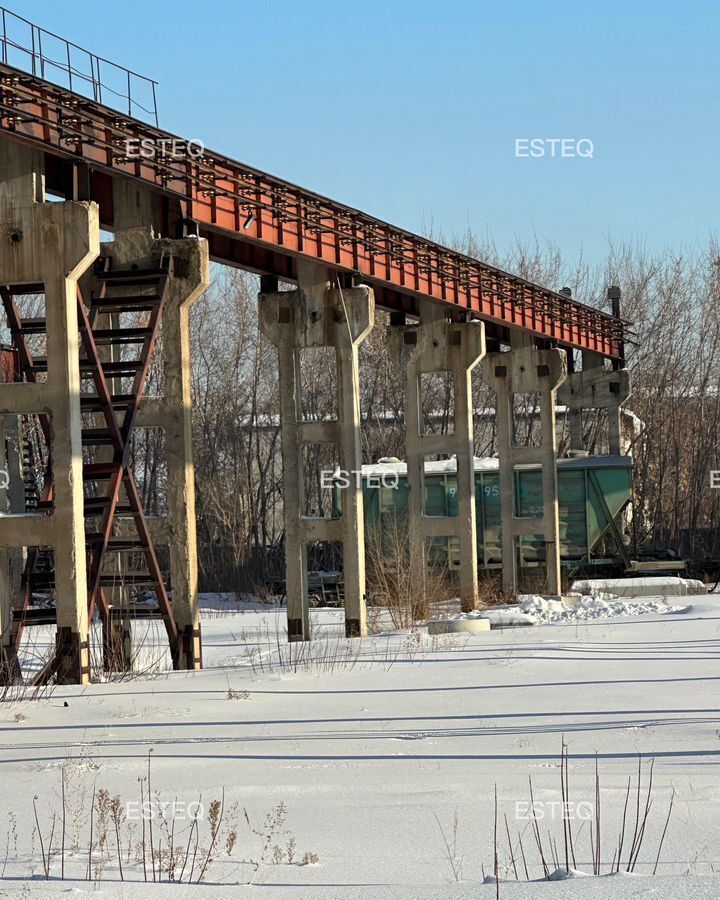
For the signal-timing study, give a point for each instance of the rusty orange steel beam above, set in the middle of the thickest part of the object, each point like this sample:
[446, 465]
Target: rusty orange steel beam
[241, 205]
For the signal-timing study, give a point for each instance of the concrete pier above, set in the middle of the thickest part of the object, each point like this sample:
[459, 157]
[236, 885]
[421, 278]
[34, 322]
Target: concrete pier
[51, 244]
[437, 345]
[320, 314]
[595, 387]
[524, 370]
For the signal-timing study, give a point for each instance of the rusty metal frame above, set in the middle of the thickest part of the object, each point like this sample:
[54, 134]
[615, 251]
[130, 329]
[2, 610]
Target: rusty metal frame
[247, 206]
[117, 472]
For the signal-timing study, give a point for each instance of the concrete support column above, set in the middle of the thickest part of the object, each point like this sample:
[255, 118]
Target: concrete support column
[524, 370]
[316, 315]
[135, 207]
[437, 345]
[192, 278]
[596, 387]
[63, 354]
[52, 243]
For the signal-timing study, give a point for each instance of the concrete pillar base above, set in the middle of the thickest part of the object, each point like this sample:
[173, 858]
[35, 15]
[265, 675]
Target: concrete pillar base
[298, 630]
[191, 647]
[72, 657]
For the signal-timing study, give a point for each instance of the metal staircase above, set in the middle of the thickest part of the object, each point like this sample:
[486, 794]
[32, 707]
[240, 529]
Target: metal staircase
[140, 294]
[116, 358]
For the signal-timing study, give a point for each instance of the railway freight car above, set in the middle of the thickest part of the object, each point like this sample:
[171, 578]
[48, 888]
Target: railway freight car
[593, 493]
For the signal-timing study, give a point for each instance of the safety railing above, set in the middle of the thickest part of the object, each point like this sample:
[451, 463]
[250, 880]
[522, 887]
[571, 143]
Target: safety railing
[26, 46]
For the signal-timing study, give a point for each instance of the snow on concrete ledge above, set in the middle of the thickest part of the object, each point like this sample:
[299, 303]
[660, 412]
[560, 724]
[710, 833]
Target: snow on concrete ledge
[534, 609]
[660, 586]
[469, 624]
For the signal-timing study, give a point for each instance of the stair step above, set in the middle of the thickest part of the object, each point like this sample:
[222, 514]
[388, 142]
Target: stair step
[123, 274]
[126, 370]
[126, 578]
[39, 580]
[139, 611]
[101, 471]
[131, 276]
[92, 403]
[39, 364]
[18, 290]
[38, 615]
[33, 325]
[112, 368]
[115, 369]
[121, 335]
[117, 544]
[127, 543]
[96, 436]
[132, 303]
[95, 506]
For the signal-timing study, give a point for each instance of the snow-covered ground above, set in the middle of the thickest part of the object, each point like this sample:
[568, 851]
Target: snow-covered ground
[376, 748]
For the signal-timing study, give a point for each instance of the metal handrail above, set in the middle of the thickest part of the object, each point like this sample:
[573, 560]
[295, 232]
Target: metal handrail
[39, 64]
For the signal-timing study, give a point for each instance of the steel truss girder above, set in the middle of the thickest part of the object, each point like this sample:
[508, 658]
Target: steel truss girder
[250, 207]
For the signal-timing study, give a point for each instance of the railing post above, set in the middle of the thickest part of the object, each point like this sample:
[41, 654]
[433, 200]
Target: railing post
[42, 60]
[95, 76]
[32, 33]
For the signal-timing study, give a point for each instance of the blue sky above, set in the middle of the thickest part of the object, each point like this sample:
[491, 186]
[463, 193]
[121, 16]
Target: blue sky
[410, 110]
